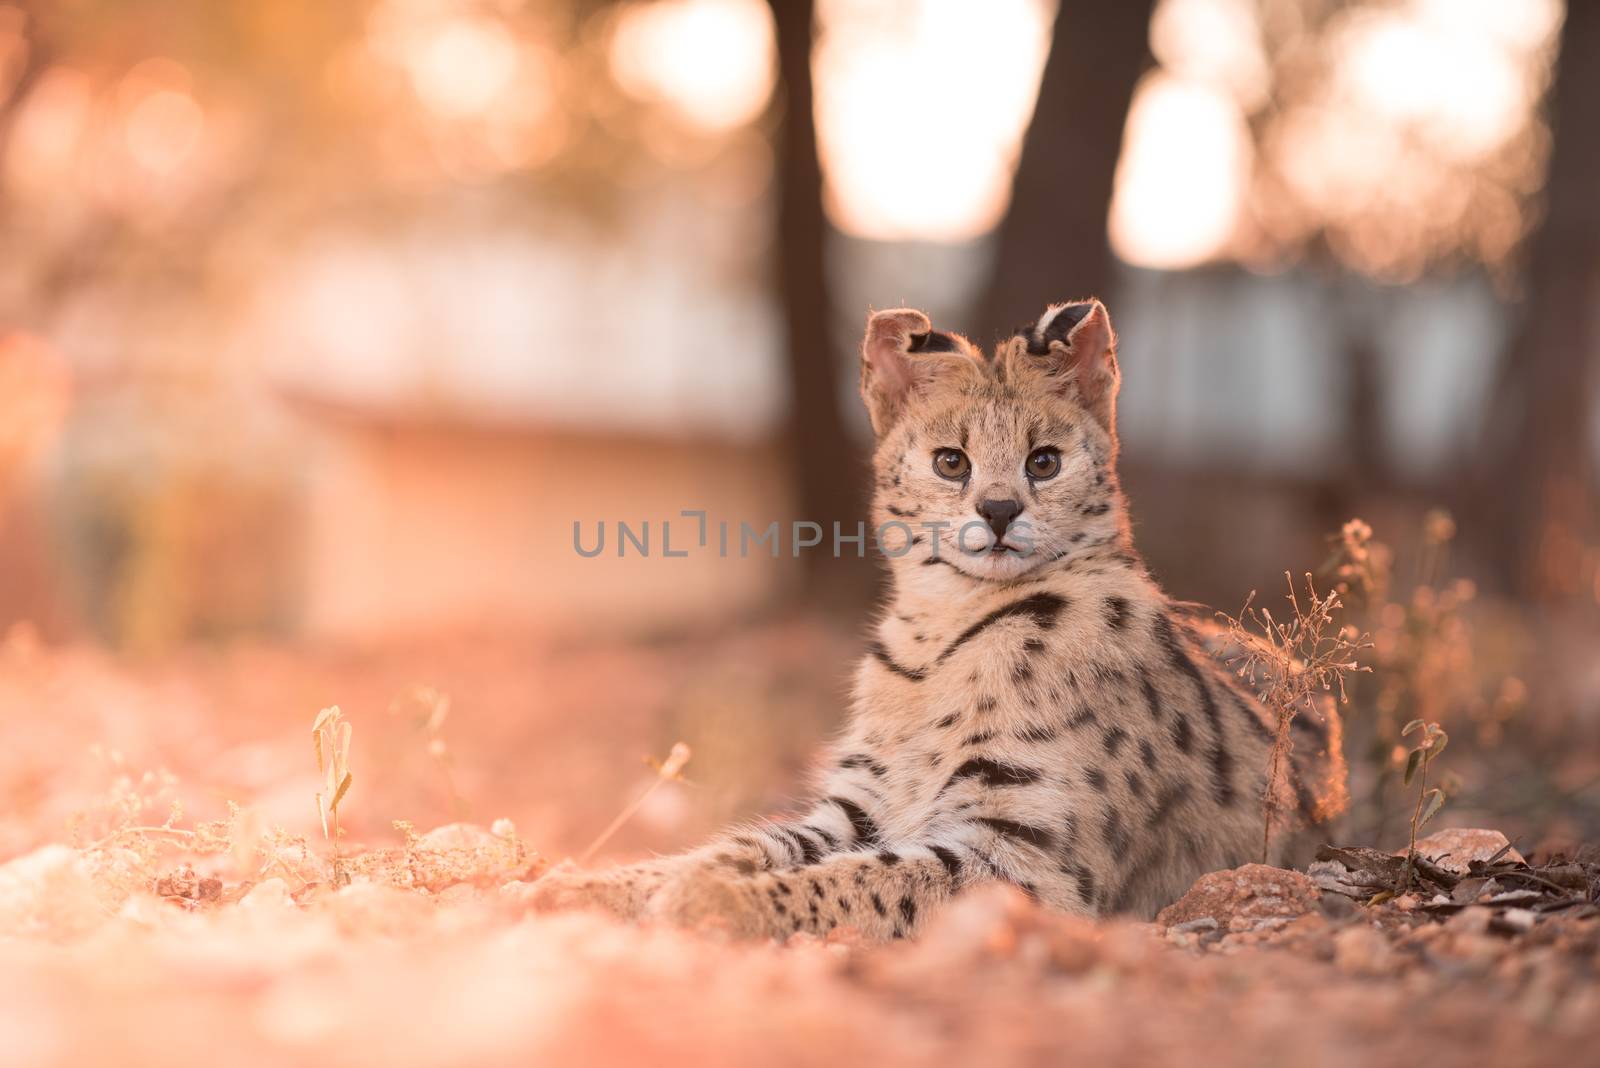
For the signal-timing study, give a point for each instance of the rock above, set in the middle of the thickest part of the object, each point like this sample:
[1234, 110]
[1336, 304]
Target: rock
[1455, 848]
[266, 895]
[1253, 897]
[48, 893]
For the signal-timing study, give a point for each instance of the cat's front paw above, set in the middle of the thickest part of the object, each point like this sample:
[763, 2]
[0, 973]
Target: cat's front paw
[567, 887]
[711, 899]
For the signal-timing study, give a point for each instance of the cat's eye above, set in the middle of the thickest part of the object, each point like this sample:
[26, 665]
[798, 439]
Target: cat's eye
[1043, 464]
[951, 463]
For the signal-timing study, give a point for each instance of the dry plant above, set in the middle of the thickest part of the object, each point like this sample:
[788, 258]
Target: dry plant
[1292, 663]
[430, 708]
[330, 736]
[668, 770]
[1426, 664]
[1422, 755]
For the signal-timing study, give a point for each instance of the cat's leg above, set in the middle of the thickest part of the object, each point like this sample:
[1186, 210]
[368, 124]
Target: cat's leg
[844, 819]
[885, 893]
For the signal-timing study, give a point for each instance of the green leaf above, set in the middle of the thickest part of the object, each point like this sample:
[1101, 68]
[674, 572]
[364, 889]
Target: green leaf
[344, 787]
[1412, 759]
[1415, 724]
[1435, 803]
[1440, 740]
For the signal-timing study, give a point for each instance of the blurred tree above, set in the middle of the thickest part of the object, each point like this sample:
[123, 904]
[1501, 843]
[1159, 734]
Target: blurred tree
[1052, 245]
[1539, 492]
[823, 454]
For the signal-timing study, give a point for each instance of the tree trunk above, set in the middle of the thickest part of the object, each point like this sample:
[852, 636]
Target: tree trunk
[1540, 496]
[1052, 245]
[824, 459]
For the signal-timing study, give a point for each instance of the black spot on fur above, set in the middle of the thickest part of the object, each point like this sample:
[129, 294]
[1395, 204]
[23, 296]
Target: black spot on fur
[888, 858]
[1169, 799]
[861, 760]
[881, 655]
[1019, 832]
[993, 773]
[1113, 832]
[1083, 718]
[1222, 773]
[810, 852]
[1182, 734]
[828, 839]
[908, 910]
[1022, 672]
[866, 831]
[1097, 779]
[1147, 753]
[951, 862]
[1117, 612]
[1135, 784]
[1095, 509]
[1033, 646]
[877, 905]
[1114, 739]
[978, 738]
[948, 721]
[1085, 880]
[1042, 608]
[1038, 733]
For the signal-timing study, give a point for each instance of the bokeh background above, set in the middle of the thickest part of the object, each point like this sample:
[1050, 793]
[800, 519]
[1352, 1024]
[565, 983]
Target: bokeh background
[322, 324]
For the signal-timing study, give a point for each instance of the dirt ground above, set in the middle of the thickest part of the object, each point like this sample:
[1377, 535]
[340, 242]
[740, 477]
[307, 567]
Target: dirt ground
[132, 932]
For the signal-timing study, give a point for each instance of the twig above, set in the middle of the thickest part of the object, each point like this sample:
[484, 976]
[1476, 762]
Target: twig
[669, 769]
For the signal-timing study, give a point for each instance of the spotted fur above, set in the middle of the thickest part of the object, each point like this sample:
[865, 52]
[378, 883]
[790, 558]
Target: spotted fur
[1045, 718]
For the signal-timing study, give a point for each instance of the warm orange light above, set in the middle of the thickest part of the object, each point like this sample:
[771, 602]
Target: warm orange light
[461, 67]
[920, 111]
[712, 61]
[1184, 166]
[163, 130]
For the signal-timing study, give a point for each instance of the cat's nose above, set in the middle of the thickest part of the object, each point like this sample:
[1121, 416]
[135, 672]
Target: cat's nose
[999, 514]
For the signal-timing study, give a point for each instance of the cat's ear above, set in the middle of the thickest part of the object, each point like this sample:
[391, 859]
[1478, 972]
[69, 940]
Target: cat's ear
[902, 356]
[1077, 348]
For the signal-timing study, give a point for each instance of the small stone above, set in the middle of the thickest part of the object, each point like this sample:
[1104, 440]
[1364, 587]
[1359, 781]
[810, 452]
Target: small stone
[1472, 920]
[268, 894]
[1248, 898]
[1457, 847]
[1518, 921]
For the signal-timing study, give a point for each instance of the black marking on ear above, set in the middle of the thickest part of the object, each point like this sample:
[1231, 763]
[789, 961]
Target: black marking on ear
[933, 341]
[1056, 329]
